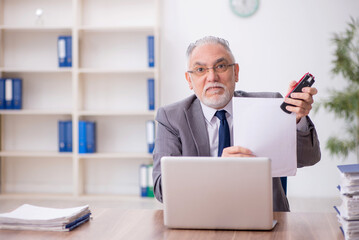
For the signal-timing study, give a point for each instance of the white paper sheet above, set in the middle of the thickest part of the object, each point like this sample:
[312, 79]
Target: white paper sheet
[260, 125]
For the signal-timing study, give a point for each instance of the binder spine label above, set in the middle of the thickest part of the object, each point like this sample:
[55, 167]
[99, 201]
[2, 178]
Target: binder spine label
[9, 93]
[62, 49]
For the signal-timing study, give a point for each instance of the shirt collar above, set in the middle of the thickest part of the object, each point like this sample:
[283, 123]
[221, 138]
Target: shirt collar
[209, 112]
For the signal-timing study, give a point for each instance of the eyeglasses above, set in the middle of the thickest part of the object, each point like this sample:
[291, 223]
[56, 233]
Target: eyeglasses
[218, 68]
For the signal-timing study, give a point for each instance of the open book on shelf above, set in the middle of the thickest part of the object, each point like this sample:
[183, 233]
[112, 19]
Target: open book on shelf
[29, 217]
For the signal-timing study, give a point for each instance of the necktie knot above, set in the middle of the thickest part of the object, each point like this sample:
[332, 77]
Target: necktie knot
[221, 115]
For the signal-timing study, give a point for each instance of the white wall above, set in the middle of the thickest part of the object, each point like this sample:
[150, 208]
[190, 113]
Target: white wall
[281, 42]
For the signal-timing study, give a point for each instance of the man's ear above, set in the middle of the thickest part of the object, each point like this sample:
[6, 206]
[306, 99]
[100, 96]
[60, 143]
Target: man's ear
[188, 78]
[236, 72]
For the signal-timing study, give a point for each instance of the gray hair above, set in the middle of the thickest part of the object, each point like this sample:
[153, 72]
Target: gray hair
[208, 40]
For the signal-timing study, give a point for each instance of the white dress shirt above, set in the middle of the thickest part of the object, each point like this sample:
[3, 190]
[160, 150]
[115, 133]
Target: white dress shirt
[212, 124]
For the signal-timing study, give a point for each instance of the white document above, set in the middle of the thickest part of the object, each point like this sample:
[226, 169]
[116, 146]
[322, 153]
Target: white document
[260, 125]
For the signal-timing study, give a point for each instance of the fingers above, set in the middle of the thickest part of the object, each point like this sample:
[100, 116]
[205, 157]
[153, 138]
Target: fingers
[291, 85]
[312, 91]
[301, 111]
[302, 101]
[237, 151]
[298, 98]
[302, 105]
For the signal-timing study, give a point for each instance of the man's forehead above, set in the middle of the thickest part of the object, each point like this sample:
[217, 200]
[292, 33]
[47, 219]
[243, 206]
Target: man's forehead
[209, 54]
[216, 61]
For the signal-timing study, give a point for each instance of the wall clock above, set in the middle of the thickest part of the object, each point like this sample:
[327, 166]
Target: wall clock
[244, 8]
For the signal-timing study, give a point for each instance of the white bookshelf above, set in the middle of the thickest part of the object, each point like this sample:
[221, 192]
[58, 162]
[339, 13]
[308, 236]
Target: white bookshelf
[107, 83]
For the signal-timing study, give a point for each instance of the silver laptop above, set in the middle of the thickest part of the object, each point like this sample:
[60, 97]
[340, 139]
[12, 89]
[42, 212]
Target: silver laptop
[217, 193]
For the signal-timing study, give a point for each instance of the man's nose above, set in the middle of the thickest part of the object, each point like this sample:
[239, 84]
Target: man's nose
[211, 74]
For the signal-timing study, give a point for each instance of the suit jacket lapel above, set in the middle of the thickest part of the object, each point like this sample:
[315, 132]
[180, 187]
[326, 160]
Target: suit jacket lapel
[197, 126]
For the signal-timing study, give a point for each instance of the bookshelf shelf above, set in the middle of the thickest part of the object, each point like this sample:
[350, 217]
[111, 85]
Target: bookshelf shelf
[124, 29]
[37, 154]
[107, 83]
[116, 156]
[34, 70]
[49, 196]
[118, 113]
[37, 28]
[118, 71]
[35, 112]
[55, 154]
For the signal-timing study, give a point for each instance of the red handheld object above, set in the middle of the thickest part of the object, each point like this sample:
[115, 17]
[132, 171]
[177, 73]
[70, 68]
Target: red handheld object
[306, 81]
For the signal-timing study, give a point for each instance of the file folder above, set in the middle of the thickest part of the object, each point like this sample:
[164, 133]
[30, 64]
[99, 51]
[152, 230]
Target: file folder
[349, 168]
[150, 132]
[62, 136]
[2, 93]
[17, 93]
[143, 180]
[151, 51]
[78, 222]
[64, 49]
[90, 137]
[82, 137]
[68, 136]
[151, 93]
[150, 181]
[87, 137]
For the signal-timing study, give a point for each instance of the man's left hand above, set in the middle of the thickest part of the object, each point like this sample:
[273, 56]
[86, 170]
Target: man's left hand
[302, 101]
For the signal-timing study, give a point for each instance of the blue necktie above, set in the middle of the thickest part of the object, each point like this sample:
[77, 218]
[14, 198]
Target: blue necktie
[224, 139]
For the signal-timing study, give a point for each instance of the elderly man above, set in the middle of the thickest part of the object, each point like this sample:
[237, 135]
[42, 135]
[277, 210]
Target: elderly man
[191, 127]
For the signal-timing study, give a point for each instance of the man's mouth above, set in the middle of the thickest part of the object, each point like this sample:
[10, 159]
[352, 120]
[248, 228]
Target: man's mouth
[214, 88]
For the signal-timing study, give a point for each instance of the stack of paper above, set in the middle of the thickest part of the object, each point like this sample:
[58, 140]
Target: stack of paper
[28, 217]
[348, 211]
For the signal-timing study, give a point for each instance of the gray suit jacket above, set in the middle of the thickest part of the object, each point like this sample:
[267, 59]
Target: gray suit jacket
[182, 132]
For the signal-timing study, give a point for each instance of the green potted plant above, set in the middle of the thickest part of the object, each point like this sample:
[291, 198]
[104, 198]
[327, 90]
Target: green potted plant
[345, 103]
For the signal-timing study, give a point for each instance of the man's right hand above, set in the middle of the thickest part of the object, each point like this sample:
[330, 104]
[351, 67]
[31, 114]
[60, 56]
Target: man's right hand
[237, 151]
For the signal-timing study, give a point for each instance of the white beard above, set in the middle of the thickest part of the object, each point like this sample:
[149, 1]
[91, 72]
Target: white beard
[216, 102]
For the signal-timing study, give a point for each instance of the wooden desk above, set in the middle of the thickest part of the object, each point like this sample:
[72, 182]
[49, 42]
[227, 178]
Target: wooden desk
[148, 224]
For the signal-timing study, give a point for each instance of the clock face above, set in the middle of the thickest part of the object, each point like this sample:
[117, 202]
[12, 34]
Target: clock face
[244, 8]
